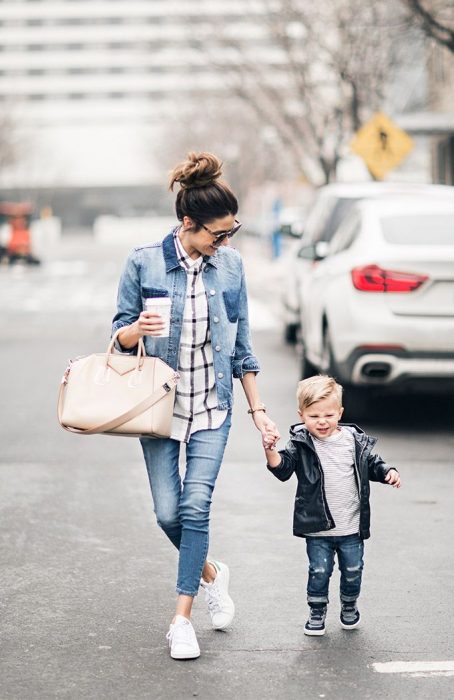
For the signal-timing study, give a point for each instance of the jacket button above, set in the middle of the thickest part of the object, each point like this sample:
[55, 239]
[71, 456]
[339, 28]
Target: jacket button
[220, 375]
[212, 292]
[217, 348]
[216, 319]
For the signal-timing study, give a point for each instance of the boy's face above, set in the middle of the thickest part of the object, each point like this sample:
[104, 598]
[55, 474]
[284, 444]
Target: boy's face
[321, 418]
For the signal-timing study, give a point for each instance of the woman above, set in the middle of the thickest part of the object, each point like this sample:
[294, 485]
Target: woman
[209, 343]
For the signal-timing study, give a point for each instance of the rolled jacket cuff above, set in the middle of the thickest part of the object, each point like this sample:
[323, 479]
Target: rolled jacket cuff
[247, 364]
[117, 345]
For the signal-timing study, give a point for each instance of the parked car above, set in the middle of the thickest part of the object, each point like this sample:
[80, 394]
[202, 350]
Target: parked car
[331, 205]
[378, 309]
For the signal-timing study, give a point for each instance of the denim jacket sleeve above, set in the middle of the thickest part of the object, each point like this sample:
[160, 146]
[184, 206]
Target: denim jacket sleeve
[129, 301]
[244, 359]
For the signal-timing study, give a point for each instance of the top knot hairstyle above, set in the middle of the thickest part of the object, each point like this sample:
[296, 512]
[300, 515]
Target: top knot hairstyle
[202, 196]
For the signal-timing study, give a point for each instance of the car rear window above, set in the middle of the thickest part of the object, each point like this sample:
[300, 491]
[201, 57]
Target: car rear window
[421, 229]
[338, 213]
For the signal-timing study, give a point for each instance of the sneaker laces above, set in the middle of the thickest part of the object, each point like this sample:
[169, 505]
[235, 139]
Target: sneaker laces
[317, 614]
[213, 597]
[349, 610]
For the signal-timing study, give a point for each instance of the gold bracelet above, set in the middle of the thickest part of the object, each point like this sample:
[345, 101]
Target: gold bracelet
[262, 407]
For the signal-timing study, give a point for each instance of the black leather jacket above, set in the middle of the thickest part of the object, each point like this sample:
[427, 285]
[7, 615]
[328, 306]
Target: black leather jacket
[311, 512]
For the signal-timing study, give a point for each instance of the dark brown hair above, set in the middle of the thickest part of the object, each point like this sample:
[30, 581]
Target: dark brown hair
[202, 196]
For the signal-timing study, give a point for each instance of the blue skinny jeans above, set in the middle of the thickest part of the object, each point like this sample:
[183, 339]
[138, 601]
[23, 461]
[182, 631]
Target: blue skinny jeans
[182, 507]
[320, 552]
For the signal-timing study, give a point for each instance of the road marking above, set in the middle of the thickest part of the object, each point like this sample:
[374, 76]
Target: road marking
[417, 668]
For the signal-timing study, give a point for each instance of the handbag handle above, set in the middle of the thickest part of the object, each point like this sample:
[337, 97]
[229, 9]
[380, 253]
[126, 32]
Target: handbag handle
[141, 353]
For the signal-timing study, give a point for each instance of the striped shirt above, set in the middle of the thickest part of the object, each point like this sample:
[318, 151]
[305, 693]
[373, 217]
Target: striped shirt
[196, 400]
[337, 457]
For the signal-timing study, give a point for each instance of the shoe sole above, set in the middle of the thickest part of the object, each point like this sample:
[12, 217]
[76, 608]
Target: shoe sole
[180, 657]
[314, 633]
[350, 627]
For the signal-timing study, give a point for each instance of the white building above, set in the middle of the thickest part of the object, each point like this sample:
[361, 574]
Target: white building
[88, 82]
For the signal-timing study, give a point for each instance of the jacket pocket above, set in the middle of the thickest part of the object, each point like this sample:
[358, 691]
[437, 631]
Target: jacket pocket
[232, 302]
[154, 292]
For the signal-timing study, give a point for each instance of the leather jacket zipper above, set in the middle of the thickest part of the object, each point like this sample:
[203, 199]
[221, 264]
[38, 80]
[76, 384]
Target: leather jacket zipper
[329, 520]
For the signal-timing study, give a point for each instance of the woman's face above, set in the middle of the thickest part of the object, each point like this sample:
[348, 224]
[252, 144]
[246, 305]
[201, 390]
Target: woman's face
[201, 242]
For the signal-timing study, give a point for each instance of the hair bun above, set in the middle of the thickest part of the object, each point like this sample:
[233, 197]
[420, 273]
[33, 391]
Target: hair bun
[198, 170]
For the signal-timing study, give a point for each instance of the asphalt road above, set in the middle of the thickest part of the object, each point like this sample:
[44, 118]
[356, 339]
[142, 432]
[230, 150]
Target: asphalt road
[87, 579]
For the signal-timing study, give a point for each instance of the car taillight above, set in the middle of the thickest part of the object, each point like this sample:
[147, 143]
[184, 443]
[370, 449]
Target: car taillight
[372, 278]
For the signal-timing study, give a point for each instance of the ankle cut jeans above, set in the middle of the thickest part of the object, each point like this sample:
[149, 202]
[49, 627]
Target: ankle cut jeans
[182, 507]
[320, 552]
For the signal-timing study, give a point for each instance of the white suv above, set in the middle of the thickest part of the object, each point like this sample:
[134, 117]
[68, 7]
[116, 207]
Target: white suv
[331, 205]
[378, 309]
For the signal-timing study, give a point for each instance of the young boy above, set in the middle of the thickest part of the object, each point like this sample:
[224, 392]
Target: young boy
[333, 464]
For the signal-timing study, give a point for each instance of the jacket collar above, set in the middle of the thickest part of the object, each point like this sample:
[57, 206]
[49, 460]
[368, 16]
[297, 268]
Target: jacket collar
[170, 254]
[300, 433]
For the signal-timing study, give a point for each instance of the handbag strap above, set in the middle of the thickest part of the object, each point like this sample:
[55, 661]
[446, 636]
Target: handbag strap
[136, 410]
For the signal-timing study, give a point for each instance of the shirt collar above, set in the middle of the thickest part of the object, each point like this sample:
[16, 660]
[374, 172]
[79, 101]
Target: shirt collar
[185, 260]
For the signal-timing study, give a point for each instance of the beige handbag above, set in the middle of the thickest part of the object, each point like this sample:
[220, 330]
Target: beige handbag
[115, 394]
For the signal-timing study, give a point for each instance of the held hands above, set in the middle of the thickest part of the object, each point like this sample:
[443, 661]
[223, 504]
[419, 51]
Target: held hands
[268, 429]
[393, 479]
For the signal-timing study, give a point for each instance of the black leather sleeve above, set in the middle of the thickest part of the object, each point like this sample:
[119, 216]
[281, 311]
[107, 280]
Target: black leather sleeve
[288, 462]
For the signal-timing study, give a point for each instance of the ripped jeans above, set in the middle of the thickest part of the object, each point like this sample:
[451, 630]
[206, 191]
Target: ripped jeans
[320, 551]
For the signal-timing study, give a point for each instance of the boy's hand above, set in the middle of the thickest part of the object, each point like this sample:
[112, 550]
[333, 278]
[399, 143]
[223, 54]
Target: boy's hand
[270, 438]
[393, 479]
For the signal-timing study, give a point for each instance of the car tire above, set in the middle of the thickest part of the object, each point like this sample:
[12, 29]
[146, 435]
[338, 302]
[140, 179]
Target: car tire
[307, 368]
[356, 401]
[329, 363]
[291, 333]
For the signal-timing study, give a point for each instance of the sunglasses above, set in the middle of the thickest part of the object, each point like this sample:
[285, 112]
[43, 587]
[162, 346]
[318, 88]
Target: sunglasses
[220, 236]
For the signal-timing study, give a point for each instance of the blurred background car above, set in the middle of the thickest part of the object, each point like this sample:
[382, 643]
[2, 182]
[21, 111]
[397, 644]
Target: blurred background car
[378, 310]
[330, 206]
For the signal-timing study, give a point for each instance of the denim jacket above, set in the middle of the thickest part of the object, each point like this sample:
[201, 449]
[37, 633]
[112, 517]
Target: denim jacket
[153, 270]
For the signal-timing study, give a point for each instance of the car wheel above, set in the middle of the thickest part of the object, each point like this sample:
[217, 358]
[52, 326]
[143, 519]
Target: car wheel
[356, 401]
[307, 368]
[291, 333]
[328, 362]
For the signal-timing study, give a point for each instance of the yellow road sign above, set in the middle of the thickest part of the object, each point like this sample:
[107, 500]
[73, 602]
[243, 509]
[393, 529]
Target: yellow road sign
[381, 144]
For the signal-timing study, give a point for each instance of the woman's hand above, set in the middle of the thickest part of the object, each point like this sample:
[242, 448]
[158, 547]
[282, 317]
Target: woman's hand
[267, 427]
[150, 323]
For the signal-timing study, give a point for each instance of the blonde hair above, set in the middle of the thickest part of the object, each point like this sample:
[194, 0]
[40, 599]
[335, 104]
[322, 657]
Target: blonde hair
[316, 389]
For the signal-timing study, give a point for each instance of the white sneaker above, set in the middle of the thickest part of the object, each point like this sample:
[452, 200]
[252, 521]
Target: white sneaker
[182, 640]
[220, 605]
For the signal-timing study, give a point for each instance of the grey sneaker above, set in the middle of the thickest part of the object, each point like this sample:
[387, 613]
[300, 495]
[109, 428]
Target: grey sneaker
[182, 640]
[220, 605]
[350, 616]
[315, 626]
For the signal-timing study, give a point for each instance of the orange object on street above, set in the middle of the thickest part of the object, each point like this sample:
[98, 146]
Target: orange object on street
[20, 241]
[17, 216]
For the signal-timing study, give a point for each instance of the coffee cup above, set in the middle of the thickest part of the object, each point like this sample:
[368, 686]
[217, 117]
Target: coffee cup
[161, 306]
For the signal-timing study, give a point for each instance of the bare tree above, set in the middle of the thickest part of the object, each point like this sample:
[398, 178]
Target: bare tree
[327, 69]
[249, 147]
[435, 18]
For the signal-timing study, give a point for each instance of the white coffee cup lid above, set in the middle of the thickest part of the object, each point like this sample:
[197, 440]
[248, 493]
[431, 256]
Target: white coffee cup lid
[158, 301]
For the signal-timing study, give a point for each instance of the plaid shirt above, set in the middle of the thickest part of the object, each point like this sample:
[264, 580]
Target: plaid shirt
[196, 397]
